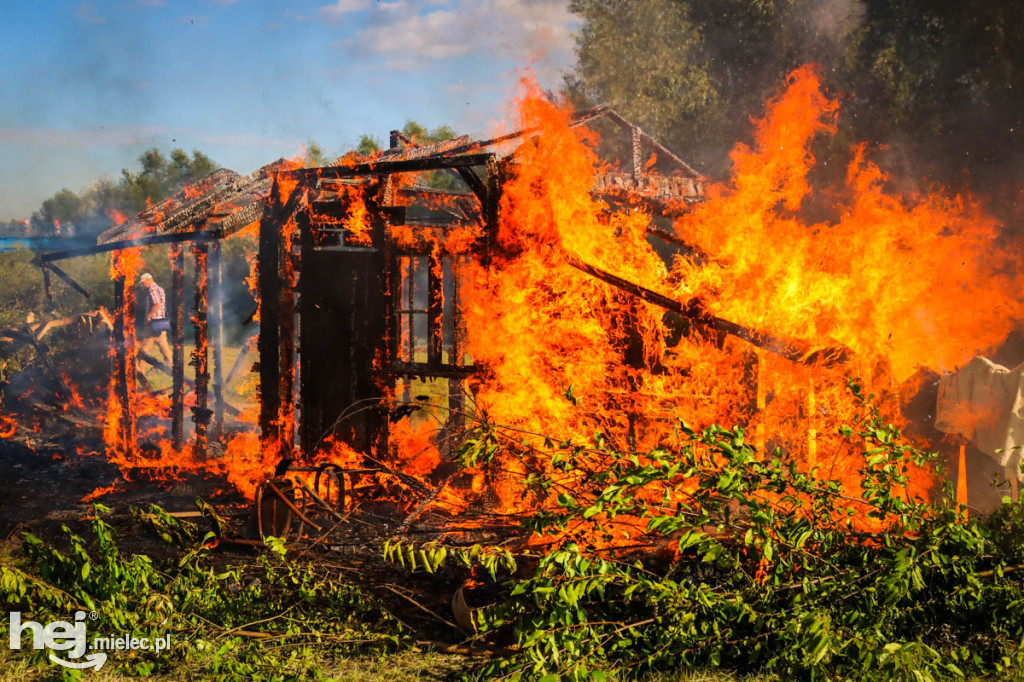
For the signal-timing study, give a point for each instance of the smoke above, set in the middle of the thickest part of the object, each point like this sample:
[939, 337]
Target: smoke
[825, 27]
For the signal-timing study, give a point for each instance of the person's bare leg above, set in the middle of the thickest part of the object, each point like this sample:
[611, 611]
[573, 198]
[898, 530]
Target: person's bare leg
[145, 346]
[165, 348]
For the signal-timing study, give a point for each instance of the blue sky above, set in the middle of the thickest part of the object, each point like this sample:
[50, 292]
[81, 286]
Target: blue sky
[87, 86]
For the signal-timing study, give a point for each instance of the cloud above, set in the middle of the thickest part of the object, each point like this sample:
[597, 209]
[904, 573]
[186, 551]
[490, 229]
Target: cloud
[335, 12]
[520, 30]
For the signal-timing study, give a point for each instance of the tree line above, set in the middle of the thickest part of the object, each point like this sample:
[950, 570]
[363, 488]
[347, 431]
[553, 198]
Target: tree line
[87, 213]
[90, 212]
[938, 85]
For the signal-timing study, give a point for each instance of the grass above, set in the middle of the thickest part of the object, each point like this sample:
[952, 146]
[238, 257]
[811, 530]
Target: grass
[408, 666]
[237, 392]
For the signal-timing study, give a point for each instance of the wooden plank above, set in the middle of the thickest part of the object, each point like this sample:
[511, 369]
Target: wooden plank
[47, 267]
[288, 307]
[456, 389]
[217, 336]
[435, 310]
[270, 288]
[194, 235]
[385, 167]
[123, 366]
[791, 349]
[177, 314]
[200, 354]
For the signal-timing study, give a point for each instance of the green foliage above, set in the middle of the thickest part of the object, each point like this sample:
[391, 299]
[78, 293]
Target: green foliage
[938, 79]
[89, 212]
[368, 145]
[315, 155]
[271, 620]
[419, 134]
[759, 567]
[22, 293]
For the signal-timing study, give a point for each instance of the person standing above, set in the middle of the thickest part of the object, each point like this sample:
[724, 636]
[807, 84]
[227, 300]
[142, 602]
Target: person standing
[157, 325]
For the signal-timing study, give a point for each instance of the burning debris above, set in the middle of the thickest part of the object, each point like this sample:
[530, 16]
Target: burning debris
[518, 357]
[413, 300]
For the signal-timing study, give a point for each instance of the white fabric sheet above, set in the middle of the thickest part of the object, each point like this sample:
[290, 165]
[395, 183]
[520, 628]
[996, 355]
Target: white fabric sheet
[984, 402]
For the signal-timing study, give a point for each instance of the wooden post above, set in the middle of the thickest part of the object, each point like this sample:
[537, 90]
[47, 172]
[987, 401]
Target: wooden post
[124, 362]
[961, 479]
[288, 307]
[404, 342]
[638, 162]
[435, 309]
[177, 314]
[270, 294]
[200, 354]
[217, 336]
[456, 392]
[491, 210]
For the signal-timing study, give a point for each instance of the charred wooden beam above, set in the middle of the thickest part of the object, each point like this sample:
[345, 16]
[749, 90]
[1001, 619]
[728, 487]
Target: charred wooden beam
[475, 183]
[456, 390]
[385, 167]
[791, 349]
[279, 206]
[578, 118]
[423, 370]
[395, 278]
[46, 285]
[638, 161]
[288, 306]
[491, 208]
[658, 147]
[217, 336]
[435, 310]
[276, 324]
[161, 367]
[123, 367]
[174, 238]
[25, 335]
[177, 256]
[200, 354]
[41, 329]
[242, 355]
[50, 267]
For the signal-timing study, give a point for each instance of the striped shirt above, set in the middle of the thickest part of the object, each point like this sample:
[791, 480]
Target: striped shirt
[156, 304]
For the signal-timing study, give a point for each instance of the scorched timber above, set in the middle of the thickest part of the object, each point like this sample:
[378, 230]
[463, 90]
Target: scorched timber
[790, 349]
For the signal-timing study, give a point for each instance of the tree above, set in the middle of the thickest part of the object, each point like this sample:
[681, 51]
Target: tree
[160, 177]
[60, 212]
[90, 212]
[944, 81]
[368, 145]
[315, 156]
[692, 72]
[940, 83]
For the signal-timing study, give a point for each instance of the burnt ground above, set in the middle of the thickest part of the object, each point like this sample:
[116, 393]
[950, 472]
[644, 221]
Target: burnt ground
[47, 483]
[44, 483]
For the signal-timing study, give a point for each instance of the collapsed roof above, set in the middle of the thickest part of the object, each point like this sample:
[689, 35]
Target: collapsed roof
[224, 202]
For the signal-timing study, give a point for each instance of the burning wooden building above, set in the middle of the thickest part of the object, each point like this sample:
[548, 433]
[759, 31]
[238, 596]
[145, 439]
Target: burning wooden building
[409, 296]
